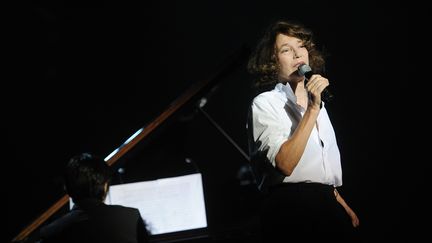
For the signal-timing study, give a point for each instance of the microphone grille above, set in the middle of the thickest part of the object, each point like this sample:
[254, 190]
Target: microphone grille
[303, 69]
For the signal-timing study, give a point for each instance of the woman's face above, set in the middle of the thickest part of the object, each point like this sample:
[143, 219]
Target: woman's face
[290, 54]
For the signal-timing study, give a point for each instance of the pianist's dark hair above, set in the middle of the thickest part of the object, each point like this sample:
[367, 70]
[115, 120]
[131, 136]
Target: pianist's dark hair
[86, 176]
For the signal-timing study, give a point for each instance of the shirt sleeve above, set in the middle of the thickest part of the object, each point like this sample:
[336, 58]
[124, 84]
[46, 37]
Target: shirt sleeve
[269, 132]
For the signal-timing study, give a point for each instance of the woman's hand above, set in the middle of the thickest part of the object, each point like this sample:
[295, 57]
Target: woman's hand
[315, 85]
[354, 219]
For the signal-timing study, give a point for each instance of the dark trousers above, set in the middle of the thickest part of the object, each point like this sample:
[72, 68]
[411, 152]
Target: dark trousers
[304, 212]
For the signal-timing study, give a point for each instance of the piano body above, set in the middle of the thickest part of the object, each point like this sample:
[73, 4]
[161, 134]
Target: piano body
[202, 131]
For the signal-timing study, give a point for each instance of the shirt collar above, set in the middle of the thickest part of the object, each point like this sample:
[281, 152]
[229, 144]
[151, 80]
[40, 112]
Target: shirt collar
[287, 91]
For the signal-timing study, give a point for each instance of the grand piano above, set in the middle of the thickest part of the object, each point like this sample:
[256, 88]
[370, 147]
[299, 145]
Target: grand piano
[202, 131]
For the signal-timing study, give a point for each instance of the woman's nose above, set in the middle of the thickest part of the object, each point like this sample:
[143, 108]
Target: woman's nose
[296, 54]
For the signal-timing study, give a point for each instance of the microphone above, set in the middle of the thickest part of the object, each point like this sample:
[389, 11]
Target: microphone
[306, 70]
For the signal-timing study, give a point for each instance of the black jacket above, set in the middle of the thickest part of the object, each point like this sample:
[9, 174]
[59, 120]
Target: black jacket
[93, 221]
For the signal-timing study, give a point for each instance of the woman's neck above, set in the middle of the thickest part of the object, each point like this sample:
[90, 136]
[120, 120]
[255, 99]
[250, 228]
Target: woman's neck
[301, 93]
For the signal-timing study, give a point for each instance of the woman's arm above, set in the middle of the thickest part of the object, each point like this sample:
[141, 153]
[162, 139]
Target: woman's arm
[354, 219]
[291, 150]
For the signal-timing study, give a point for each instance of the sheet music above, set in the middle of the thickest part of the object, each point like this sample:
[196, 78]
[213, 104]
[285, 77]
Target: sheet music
[167, 205]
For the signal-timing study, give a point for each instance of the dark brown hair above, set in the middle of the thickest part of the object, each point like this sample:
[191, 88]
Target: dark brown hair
[263, 62]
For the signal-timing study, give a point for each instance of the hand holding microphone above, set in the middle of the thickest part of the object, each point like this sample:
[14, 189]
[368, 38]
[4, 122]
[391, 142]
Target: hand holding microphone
[306, 70]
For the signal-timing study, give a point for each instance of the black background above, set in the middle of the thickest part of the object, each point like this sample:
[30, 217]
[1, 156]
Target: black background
[86, 79]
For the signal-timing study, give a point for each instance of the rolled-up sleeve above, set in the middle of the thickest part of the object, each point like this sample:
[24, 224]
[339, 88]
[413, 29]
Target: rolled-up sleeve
[269, 130]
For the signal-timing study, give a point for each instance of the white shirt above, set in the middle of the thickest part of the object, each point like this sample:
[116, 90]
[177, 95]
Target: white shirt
[274, 117]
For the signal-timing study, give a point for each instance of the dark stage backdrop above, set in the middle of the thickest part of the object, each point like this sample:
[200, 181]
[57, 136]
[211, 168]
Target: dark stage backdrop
[87, 79]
